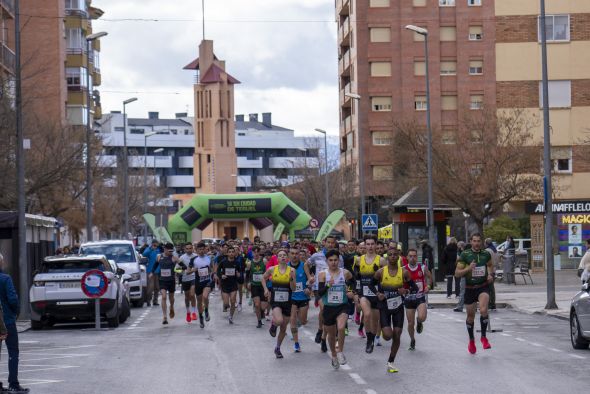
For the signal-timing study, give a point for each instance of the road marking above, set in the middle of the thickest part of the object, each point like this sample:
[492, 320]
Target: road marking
[506, 335]
[33, 350]
[357, 378]
[520, 339]
[345, 367]
[53, 358]
[554, 350]
[21, 342]
[36, 370]
[31, 382]
[369, 391]
[578, 357]
[536, 344]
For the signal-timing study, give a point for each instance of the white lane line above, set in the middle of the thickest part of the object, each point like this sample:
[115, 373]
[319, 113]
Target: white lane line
[578, 357]
[31, 382]
[21, 342]
[506, 335]
[35, 370]
[54, 358]
[357, 378]
[39, 349]
[369, 391]
[536, 344]
[345, 367]
[554, 350]
[520, 339]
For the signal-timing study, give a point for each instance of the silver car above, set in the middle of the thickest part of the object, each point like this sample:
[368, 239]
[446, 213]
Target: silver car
[580, 319]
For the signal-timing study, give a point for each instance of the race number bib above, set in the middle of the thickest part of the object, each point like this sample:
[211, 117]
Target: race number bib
[281, 296]
[165, 273]
[203, 272]
[367, 292]
[394, 303]
[230, 272]
[479, 272]
[257, 277]
[358, 285]
[420, 286]
[335, 296]
[299, 286]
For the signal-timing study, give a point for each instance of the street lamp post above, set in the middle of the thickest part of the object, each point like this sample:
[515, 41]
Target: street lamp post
[126, 166]
[145, 137]
[326, 170]
[431, 225]
[361, 163]
[89, 39]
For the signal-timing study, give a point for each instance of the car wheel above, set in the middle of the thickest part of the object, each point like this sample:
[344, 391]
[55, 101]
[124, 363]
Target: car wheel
[125, 311]
[578, 342]
[113, 322]
[36, 324]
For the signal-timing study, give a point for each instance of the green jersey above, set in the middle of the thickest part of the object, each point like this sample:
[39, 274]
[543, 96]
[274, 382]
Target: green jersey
[479, 275]
[257, 270]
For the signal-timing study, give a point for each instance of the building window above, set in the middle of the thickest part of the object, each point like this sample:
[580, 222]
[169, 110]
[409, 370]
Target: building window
[382, 173]
[379, 104]
[349, 141]
[448, 33]
[557, 27]
[475, 33]
[419, 3]
[76, 78]
[476, 170]
[381, 69]
[446, 3]
[449, 137]
[380, 34]
[136, 131]
[472, 3]
[75, 39]
[560, 94]
[419, 68]
[378, 3]
[418, 37]
[448, 103]
[475, 67]
[476, 102]
[562, 159]
[119, 128]
[448, 68]
[420, 103]
[76, 5]
[382, 138]
[476, 136]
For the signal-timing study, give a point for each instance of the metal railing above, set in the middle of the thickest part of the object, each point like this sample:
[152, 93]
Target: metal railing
[8, 58]
[8, 4]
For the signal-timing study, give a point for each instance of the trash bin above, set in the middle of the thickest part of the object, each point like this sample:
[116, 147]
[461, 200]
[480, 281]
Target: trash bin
[508, 268]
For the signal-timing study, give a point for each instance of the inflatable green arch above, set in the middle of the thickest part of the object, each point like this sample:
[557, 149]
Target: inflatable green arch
[203, 208]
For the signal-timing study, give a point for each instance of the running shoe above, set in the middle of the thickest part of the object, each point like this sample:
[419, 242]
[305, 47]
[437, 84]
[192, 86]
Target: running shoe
[357, 318]
[324, 346]
[297, 347]
[391, 368]
[16, 389]
[335, 363]
[164, 321]
[259, 325]
[362, 334]
[318, 337]
[155, 304]
[188, 317]
[231, 321]
[272, 330]
[341, 358]
[419, 327]
[346, 331]
[201, 322]
[193, 316]
[378, 341]
[278, 352]
[239, 307]
[471, 347]
[369, 348]
[207, 317]
[172, 314]
[485, 343]
[412, 345]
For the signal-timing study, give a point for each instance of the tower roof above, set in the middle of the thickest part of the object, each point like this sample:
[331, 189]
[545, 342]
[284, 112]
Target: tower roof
[213, 75]
[194, 65]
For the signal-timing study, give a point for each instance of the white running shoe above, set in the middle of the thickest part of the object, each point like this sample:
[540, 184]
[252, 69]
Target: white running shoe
[335, 363]
[341, 358]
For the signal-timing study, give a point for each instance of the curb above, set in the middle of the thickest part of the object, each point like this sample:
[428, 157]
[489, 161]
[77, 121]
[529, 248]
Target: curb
[449, 305]
[538, 313]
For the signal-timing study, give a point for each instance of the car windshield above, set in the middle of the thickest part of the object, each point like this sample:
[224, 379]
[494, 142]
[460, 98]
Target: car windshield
[54, 267]
[121, 253]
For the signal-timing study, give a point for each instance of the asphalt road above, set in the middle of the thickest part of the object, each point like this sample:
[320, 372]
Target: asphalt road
[532, 355]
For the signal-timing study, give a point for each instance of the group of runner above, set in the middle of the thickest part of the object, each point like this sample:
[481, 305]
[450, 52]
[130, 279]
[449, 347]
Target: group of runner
[379, 287]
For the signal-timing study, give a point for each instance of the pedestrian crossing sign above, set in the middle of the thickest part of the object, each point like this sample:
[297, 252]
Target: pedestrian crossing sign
[370, 222]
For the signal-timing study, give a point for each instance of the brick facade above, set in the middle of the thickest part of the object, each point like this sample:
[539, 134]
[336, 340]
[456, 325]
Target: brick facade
[522, 28]
[517, 94]
[581, 158]
[581, 93]
[580, 27]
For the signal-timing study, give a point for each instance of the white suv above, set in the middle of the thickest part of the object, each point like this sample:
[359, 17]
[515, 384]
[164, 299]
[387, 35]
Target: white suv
[124, 254]
[56, 294]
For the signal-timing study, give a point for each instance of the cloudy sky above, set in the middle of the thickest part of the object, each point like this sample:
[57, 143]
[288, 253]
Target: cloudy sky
[283, 51]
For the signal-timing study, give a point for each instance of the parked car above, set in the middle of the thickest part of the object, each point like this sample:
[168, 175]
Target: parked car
[56, 295]
[208, 241]
[522, 246]
[124, 254]
[580, 318]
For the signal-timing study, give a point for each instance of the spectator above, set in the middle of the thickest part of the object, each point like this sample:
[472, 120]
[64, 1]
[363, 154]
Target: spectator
[584, 268]
[449, 260]
[461, 246]
[66, 250]
[153, 287]
[428, 257]
[489, 245]
[10, 311]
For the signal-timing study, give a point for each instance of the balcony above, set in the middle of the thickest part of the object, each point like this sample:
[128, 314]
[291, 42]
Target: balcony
[186, 162]
[244, 162]
[8, 59]
[8, 5]
[344, 33]
[244, 181]
[344, 64]
[346, 101]
[346, 125]
[342, 7]
[151, 162]
[180, 181]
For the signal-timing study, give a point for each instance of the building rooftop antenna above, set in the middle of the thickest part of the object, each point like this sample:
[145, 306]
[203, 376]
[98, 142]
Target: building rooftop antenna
[203, 12]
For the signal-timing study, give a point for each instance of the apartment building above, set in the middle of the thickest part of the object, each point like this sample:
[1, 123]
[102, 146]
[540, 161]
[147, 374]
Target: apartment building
[384, 64]
[7, 57]
[56, 63]
[518, 73]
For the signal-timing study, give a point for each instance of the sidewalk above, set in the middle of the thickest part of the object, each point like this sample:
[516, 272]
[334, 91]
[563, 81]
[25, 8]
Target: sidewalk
[530, 299]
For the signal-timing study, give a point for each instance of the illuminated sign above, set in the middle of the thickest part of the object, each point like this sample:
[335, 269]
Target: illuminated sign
[560, 207]
[575, 219]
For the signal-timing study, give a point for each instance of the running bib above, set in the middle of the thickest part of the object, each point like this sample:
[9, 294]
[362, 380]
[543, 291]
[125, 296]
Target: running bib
[420, 287]
[394, 303]
[281, 296]
[358, 285]
[257, 277]
[479, 272]
[367, 292]
[166, 273]
[299, 286]
[230, 272]
[188, 278]
[203, 272]
[335, 296]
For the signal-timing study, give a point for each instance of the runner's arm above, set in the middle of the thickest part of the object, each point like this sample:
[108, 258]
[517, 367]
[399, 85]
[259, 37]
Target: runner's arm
[322, 288]
[462, 268]
[292, 282]
[375, 281]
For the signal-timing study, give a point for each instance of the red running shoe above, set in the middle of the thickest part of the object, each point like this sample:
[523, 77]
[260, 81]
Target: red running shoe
[472, 349]
[193, 316]
[485, 343]
[188, 317]
[362, 334]
[357, 319]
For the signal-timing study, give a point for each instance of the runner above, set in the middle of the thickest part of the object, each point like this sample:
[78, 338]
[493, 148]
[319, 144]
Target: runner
[188, 282]
[300, 297]
[283, 284]
[477, 267]
[241, 261]
[203, 267]
[164, 268]
[391, 280]
[366, 266]
[257, 269]
[348, 258]
[228, 272]
[334, 288]
[416, 300]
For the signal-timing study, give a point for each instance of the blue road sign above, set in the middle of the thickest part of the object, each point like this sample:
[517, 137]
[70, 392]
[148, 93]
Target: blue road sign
[370, 222]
